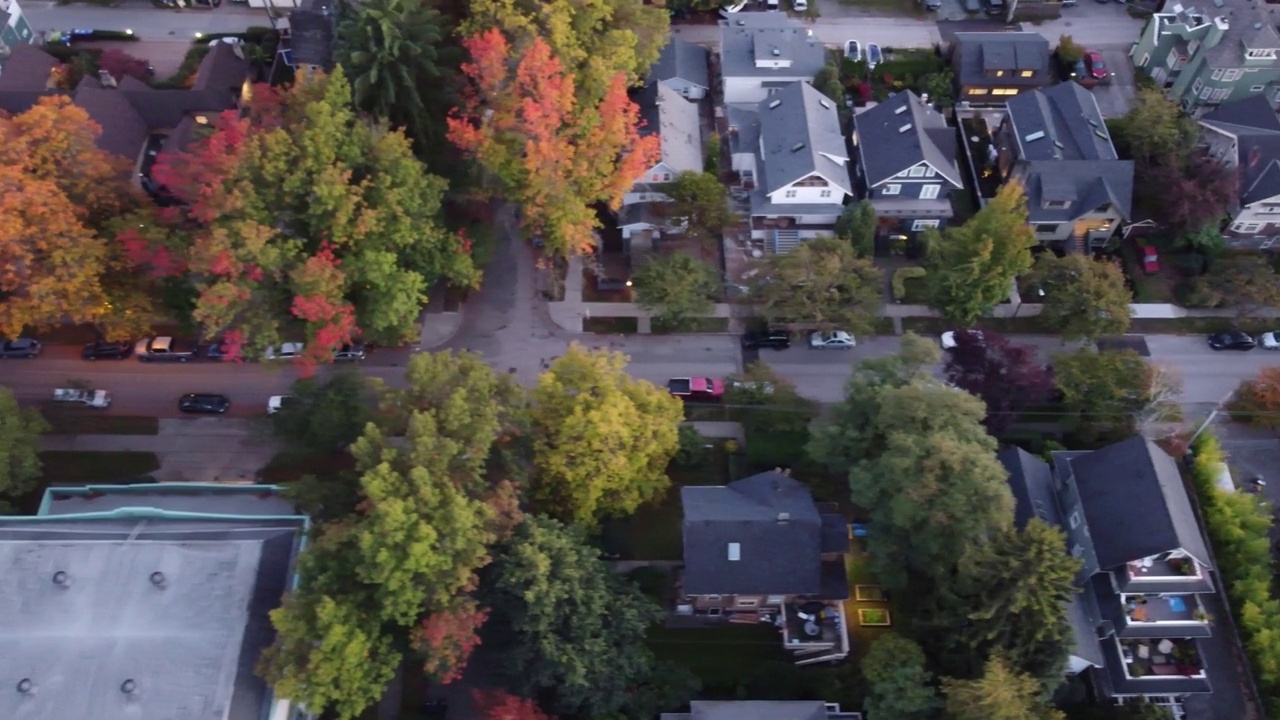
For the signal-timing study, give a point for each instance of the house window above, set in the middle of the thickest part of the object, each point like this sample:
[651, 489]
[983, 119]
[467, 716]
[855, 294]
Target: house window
[891, 189]
[1075, 519]
[1206, 93]
[789, 193]
[929, 171]
[775, 599]
[666, 177]
[1195, 86]
[999, 73]
[1220, 94]
[977, 91]
[1256, 88]
[1246, 227]
[929, 192]
[854, 137]
[919, 225]
[1232, 75]
[735, 552]
[1056, 204]
[1047, 228]
[917, 171]
[1217, 74]
[1261, 54]
[1027, 73]
[825, 194]
[1005, 91]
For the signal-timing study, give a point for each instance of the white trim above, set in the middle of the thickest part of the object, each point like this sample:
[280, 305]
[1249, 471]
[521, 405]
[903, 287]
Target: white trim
[891, 189]
[929, 192]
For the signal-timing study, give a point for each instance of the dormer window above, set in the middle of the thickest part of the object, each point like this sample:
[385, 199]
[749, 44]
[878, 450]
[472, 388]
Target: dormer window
[1268, 54]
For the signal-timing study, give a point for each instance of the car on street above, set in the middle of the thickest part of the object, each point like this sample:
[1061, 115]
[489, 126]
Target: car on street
[800, 5]
[948, 339]
[1078, 70]
[277, 402]
[995, 7]
[971, 6]
[776, 339]
[735, 7]
[1097, 66]
[853, 50]
[103, 350]
[205, 403]
[1150, 260]
[349, 352]
[832, 339]
[20, 348]
[1232, 340]
[750, 386]
[286, 351]
[165, 349]
[1270, 340]
[698, 388]
[874, 56]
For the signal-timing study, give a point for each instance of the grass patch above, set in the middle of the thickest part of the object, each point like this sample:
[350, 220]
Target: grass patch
[610, 325]
[691, 325]
[766, 451]
[724, 657]
[77, 421]
[64, 467]
[874, 617]
[883, 326]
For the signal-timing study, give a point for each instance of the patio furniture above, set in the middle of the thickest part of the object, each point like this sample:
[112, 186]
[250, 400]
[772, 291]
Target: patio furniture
[1144, 651]
[1165, 646]
[811, 629]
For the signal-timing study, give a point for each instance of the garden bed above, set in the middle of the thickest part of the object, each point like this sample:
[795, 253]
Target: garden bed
[610, 325]
[874, 617]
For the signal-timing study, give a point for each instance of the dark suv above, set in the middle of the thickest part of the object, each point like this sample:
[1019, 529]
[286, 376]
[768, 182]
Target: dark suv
[204, 403]
[103, 350]
[776, 339]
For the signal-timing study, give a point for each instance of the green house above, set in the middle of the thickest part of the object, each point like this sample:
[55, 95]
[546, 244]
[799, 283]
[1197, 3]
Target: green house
[14, 28]
[1203, 59]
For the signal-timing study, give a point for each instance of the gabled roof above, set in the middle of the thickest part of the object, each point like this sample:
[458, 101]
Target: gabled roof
[1031, 481]
[978, 53]
[1257, 131]
[677, 124]
[1135, 503]
[27, 69]
[758, 710]
[1085, 184]
[223, 67]
[124, 131]
[886, 149]
[1061, 122]
[769, 521]
[800, 130]
[681, 60]
[751, 36]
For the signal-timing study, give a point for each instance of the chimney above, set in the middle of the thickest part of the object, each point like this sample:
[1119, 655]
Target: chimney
[924, 99]
[105, 79]
[1216, 30]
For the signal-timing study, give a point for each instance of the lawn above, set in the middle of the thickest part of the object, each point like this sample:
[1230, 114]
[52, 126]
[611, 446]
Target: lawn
[692, 325]
[858, 568]
[610, 325]
[723, 656]
[86, 421]
[65, 467]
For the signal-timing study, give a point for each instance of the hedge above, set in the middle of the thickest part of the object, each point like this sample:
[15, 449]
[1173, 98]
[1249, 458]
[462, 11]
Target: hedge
[1238, 524]
[900, 278]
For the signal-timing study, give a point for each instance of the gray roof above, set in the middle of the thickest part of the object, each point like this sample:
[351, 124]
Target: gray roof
[773, 520]
[681, 60]
[27, 69]
[1086, 184]
[1135, 503]
[1061, 122]
[885, 149]
[768, 38]
[800, 128]
[1083, 616]
[224, 67]
[1257, 131]
[977, 53]
[311, 34]
[1247, 27]
[189, 645]
[677, 123]
[756, 710]
[1031, 481]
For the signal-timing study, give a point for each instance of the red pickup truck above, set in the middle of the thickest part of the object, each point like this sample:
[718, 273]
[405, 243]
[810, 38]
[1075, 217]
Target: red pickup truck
[696, 388]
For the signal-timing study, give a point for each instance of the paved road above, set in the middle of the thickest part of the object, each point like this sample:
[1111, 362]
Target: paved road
[146, 21]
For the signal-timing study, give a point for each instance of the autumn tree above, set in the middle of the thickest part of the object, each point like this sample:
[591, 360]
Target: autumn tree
[1192, 194]
[601, 439]
[1257, 400]
[1084, 298]
[501, 705]
[1001, 693]
[675, 287]
[857, 226]
[1112, 393]
[120, 64]
[821, 283]
[972, 267]
[700, 202]
[1007, 377]
[556, 154]
[20, 430]
[1247, 282]
[898, 683]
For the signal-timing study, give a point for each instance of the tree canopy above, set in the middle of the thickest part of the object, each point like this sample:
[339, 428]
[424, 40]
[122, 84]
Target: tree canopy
[1007, 377]
[857, 226]
[20, 430]
[1257, 399]
[767, 403]
[675, 287]
[701, 202]
[1084, 298]
[324, 415]
[1001, 693]
[1111, 393]
[821, 283]
[1246, 281]
[898, 684]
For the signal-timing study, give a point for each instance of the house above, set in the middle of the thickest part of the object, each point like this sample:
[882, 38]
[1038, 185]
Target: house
[991, 67]
[1245, 136]
[308, 39]
[14, 30]
[1054, 142]
[906, 162]
[1225, 53]
[761, 53]
[762, 710]
[146, 601]
[792, 164]
[138, 121]
[678, 125]
[1142, 619]
[761, 550]
[683, 67]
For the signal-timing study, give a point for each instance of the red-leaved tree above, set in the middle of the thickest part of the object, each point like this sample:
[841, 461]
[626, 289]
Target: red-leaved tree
[501, 705]
[1188, 198]
[1007, 377]
[119, 63]
[448, 638]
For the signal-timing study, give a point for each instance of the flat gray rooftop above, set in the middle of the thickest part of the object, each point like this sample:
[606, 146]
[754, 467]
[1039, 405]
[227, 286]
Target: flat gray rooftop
[185, 642]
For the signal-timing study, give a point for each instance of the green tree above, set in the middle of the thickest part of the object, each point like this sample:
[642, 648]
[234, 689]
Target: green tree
[1000, 694]
[1155, 130]
[20, 430]
[1246, 281]
[827, 81]
[676, 287]
[711, 164]
[1110, 394]
[940, 87]
[857, 225]
[1084, 298]
[601, 440]
[972, 267]
[571, 629]
[821, 283]
[1206, 240]
[701, 202]
[898, 685]
[766, 403]
[1068, 50]
[324, 415]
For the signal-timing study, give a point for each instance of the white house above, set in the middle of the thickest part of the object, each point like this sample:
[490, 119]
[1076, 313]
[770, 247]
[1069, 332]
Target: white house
[676, 123]
[682, 66]
[763, 52]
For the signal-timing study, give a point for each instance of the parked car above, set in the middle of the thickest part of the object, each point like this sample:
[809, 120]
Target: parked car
[286, 351]
[1231, 340]
[103, 350]
[165, 349]
[205, 403]
[835, 339]
[932, 4]
[276, 402]
[92, 398]
[1078, 70]
[20, 348]
[853, 50]
[735, 7]
[800, 5]
[1270, 340]
[1097, 66]
[874, 56]
[349, 352]
[218, 351]
[699, 388]
[948, 339]
[995, 7]
[776, 339]
[760, 388]
[1150, 260]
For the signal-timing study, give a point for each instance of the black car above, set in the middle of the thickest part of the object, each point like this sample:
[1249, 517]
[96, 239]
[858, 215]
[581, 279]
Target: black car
[20, 348]
[776, 339]
[103, 350]
[204, 403]
[1232, 340]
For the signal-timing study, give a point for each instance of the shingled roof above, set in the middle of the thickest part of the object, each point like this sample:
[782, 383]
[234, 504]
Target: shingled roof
[886, 149]
[1257, 131]
[681, 60]
[800, 130]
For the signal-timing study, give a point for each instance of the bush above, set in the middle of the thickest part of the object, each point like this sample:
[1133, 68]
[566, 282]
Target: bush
[900, 278]
[1257, 400]
[693, 448]
[711, 164]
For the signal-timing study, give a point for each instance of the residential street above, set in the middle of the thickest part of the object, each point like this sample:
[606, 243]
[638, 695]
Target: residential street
[146, 21]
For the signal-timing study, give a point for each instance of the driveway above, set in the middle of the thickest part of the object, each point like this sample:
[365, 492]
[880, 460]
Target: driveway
[1116, 96]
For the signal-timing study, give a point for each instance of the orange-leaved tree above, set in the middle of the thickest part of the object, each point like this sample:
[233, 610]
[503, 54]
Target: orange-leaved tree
[522, 122]
[1257, 400]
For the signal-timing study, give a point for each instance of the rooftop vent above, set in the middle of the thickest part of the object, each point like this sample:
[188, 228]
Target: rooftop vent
[1257, 26]
[823, 102]
[904, 128]
[774, 103]
[128, 686]
[26, 687]
[776, 52]
[797, 147]
[735, 552]
[158, 579]
[900, 110]
[1057, 144]
[784, 517]
[1034, 136]
[62, 579]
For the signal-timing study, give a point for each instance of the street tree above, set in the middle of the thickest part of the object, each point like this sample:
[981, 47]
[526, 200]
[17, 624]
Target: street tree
[675, 287]
[501, 705]
[20, 430]
[446, 638]
[573, 630]
[555, 153]
[1257, 400]
[821, 283]
[601, 439]
[1001, 693]
[1246, 281]
[767, 403]
[1109, 393]
[857, 226]
[972, 267]
[596, 41]
[827, 81]
[1084, 298]
[324, 415]
[898, 683]
[1008, 378]
[700, 202]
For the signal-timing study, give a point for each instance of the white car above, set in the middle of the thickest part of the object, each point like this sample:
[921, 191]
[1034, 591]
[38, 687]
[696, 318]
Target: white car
[275, 402]
[735, 7]
[949, 338]
[286, 351]
[838, 339]
[1270, 340]
[874, 56]
[800, 5]
[853, 50]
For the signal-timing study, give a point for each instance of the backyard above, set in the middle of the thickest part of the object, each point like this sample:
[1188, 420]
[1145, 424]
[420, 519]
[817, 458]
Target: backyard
[867, 608]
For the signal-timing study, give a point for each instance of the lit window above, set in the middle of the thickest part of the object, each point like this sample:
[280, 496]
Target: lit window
[1005, 91]
[978, 91]
[999, 73]
[1027, 73]
[892, 189]
[735, 552]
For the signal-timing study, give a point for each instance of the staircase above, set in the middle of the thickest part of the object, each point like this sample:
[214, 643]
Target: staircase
[784, 241]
